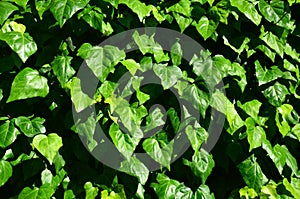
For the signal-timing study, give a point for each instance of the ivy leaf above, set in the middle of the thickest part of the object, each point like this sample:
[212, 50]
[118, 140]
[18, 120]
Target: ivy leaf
[203, 192]
[161, 155]
[222, 104]
[276, 13]
[48, 145]
[123, 142]
[45, 191]
[90, 191]
[252, 109]
[154, 120]
[183, 7]
[176, 53]
[206, 27]
[8, 133]
[248, 9]
[141, 9]
[282, 123]
[62, 69]
[166, 187]
[255, 134]
[79, 98]
[30, 127]
[101, 60]
[5, 172]
[252, 173]
[293, 187]
[6, 9]
[201, 165]
[168, 75]
[272, 41]
[63, 10]
[19, 41]
[27, 84]
[42, 6]
[21, 3]
[183, 22]
[197, 136]
[276, 94]
[136, 168]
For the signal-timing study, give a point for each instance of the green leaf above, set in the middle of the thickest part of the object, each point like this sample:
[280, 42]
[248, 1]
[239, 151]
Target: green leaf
[48, 145]
[87, 128]
[182, 21]
[19, 41]
[267, 51]
[90, 191]
[5, 172]
[183, 7]
[28, 84]
[252, 109]
[107, 88]
[276, 94]
[154, 120]
[21, 3]
[166, 187]
[252, 173]
[197, 135]
[168, 75]
[203, 192]
[248, 9]
[136, 168]
[275, 12]
[283, 123]
[206, 27]
[176, 53]
[123, 142]
[255, 134]
[201, 165]
[63, 10]
[161, 155]
[293, 187]
[147, 44]
[247, 192]
[42, 6]
[30, 127]
[222, 104]
[272, 41]
[8, 133]
[131, 65]
[141, 9]
[62, 69]
[101, 60]
[6, 9]
[268, 75]
[45, 191]
[79, 98]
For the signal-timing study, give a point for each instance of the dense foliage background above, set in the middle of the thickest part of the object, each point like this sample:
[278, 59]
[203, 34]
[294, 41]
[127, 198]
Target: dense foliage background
[255, 46]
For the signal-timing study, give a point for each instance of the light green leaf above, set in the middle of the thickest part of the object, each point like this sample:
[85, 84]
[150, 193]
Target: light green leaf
[183, 22]
[131, 65]
[42, 6]
[161, 155]
[6, 9]
[252, 173]
[166, 187]
[21, 3]
[275, 12]
[30, 127]
[107, 88]
[123, 142]
[8, 134]
[141, 9]
[79, 98]
[276, 94]
[176, 53]
[183, 7]
[87, 128]
[28, 84]
[5, 172]
[222, 104]
[203, 192]
[197, 135]
[101, 60]
[168, 75]
[272, 41]
[206, 27]
[45, 191]
[63, 10]
[136, 168]
[19, 41]
[282, 123]
[255, 134]
[62, 69]
[247, 192]
[48, 145]
[248, 9]
[90, 191]
[267, 51]
[252, 109]
[293, 187]
[201, 165]
[154, 120]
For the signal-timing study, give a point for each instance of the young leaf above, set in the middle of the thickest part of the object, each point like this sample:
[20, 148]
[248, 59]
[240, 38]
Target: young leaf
[5, 172]
[252, 173]
[293, 187]
[90, 191]
[27, 84]
[6, 9]
[206, 27]
[48, 145]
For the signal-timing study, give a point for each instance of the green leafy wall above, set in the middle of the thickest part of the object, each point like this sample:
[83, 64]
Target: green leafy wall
[254, 45]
